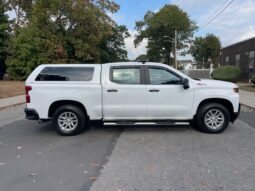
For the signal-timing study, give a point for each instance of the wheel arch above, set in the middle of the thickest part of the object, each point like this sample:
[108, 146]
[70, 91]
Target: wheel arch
[53, 107]
[226, 103]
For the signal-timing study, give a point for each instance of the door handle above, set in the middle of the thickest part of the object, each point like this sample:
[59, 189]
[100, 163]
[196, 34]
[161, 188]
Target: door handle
[154, 90]
[112, 90]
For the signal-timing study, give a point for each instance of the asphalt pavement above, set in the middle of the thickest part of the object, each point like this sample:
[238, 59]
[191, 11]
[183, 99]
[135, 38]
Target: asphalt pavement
[137, 158]
[34, 158]
[248, 115]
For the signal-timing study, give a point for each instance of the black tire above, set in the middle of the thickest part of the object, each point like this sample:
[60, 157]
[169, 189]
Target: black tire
[214, 128]
[69, 110]
[193, 123]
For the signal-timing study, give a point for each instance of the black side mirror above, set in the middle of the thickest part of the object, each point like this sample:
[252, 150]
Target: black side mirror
[185, 83]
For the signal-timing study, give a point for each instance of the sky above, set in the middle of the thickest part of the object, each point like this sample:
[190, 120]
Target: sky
[236, 23]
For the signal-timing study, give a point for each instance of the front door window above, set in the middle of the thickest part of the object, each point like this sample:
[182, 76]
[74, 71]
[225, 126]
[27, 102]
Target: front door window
[160, 76]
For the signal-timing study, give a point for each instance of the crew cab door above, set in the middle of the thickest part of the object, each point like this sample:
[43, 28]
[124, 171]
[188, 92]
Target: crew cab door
[124, 93]
[166, 97]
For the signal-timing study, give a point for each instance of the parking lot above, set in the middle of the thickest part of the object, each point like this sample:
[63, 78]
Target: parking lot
[137, 158]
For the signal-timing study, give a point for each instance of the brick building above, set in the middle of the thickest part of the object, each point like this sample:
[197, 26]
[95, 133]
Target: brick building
[241, 54]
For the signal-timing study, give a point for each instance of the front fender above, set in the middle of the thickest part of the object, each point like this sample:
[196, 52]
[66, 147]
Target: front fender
[200, 95]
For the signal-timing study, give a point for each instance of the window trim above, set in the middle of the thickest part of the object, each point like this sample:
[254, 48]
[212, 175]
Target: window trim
[147, 76]
[141, 69]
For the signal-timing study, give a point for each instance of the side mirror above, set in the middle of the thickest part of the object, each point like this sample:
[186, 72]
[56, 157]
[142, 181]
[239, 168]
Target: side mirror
[185, 83]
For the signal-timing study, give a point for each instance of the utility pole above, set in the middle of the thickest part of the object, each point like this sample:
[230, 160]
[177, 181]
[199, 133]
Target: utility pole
[175, 47]
[174, 41]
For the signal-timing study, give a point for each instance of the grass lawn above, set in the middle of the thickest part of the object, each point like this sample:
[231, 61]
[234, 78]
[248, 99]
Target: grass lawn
[11, 88]
[250, 87]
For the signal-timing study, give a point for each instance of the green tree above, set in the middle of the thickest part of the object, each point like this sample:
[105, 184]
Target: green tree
[4, 36]
[142, 57]
[204, 48]
[61, 31]
[213, 46]
[197, 50]
[112, 48]
[159, 28]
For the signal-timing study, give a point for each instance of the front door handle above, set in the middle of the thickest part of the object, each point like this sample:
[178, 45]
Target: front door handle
[154, 90]
[112, 90]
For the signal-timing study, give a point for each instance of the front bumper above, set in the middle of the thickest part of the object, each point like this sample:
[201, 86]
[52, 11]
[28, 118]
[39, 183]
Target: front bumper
[31, 114]
[236, 115]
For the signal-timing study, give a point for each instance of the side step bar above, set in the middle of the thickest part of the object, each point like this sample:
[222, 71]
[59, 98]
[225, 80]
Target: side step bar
[145, 123]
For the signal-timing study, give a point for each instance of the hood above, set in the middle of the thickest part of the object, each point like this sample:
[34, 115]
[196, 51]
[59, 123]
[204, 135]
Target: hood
[215, 83]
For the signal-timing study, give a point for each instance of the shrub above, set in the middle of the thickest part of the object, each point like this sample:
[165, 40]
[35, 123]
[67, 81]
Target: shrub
[253, 79]
[227, 73]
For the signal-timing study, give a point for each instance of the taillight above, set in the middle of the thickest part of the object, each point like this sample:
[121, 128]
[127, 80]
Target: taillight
[28, 88]
[236, 90]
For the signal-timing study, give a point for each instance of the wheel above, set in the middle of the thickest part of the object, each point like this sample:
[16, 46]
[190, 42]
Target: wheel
[212, 118]
[69, 120]
[193, 123]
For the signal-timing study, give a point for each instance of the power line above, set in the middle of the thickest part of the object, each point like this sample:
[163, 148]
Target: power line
[203, 26]
[216, 11]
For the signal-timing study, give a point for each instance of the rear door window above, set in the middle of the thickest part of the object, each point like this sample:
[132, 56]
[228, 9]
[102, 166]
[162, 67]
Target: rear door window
[66, 74]
[126, 75]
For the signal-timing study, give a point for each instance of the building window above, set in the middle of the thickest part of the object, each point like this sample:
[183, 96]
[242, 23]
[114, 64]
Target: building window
[237, 59]
[251, 59]
[227, 60]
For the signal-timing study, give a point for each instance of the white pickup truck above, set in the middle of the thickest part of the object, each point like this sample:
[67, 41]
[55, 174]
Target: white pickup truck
[127, 93]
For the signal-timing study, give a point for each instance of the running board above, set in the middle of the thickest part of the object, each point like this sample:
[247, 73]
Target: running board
[144, 123]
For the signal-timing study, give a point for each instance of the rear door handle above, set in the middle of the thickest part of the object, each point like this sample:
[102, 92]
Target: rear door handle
[154, 90]
[112, 90]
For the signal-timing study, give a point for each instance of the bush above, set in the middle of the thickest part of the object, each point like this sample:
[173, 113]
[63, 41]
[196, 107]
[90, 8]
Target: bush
[253, 79]
[227, 73]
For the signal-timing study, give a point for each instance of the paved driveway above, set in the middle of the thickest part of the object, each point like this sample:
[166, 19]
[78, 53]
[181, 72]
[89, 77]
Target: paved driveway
[34, 157]
[181, 159]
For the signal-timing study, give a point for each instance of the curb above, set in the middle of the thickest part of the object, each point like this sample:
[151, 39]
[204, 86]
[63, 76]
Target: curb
[248, 106]
[12, 101]
[9, 106]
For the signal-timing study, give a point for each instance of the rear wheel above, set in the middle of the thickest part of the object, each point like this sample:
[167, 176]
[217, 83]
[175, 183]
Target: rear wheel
[69, 120]
[212, 118]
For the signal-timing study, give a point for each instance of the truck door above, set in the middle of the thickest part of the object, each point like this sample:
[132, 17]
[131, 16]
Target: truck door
[166, 97]
[124, 93]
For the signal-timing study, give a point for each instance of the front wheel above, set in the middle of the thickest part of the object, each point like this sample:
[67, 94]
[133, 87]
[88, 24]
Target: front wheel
[69, 120]
[213, 118]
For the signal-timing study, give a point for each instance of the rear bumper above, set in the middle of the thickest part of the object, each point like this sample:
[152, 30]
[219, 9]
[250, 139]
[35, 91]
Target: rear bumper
[31, 114]
[236, 115]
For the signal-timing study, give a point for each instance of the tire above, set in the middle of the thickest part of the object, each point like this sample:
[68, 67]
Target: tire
[69, 120]
[193, 123]
[207, 120]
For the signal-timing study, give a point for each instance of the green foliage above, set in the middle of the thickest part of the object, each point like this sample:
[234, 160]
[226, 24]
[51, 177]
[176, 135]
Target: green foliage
[253, 79]
[64, 31]
[205, 48]
[156, 26]
[4, 36]
[22, 9]
[112, 46]
[227, 73]
[29, 50]
[142, 57]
